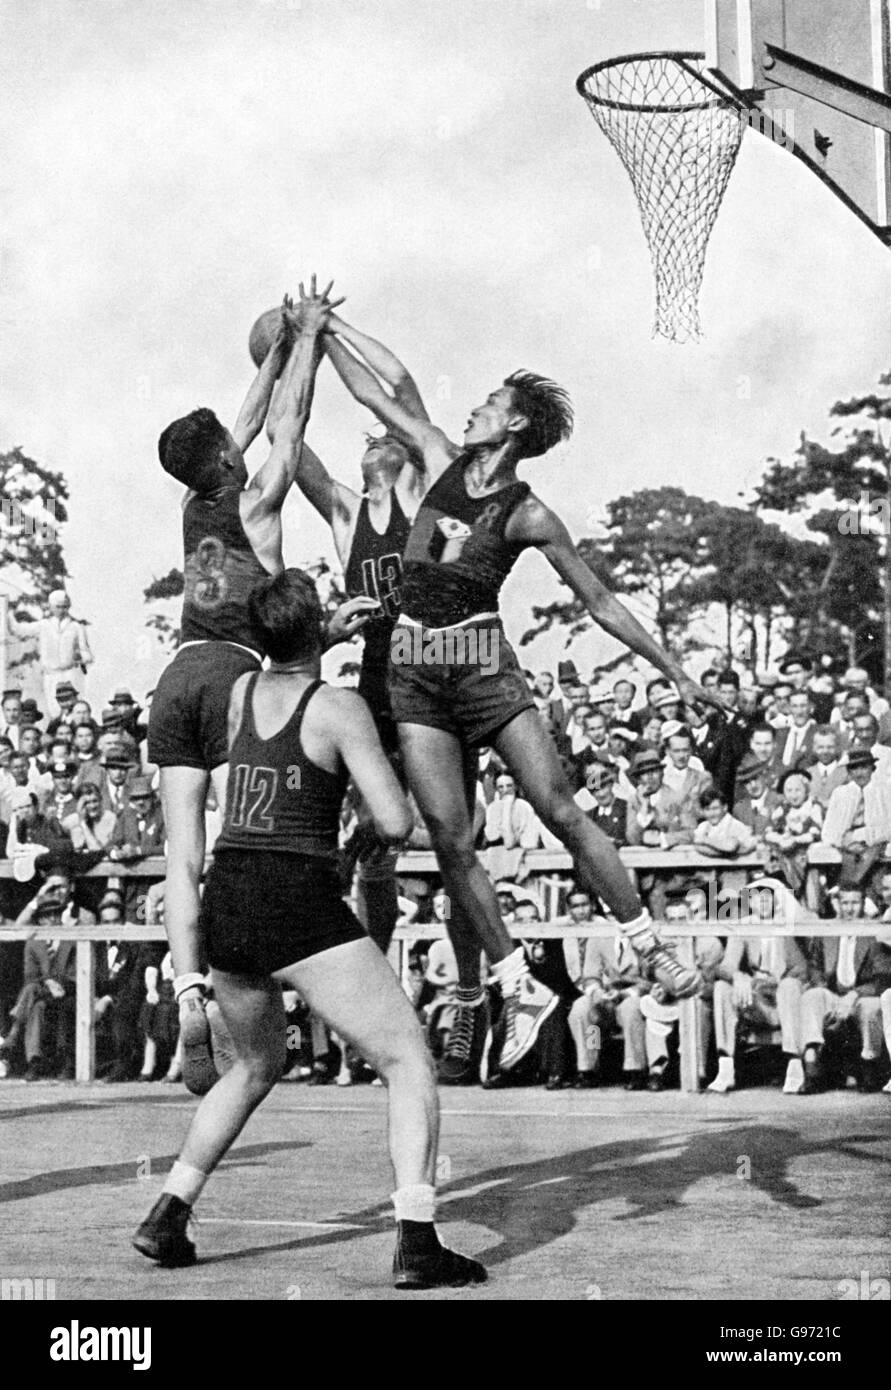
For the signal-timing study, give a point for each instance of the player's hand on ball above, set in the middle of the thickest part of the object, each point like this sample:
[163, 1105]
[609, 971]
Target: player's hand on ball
[315, 307]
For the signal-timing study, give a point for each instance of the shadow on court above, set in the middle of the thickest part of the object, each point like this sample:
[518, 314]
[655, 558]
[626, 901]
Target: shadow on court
[531, 1205]
[108, 1174]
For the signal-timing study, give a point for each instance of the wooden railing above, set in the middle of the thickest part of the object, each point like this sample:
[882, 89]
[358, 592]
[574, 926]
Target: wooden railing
[547, 870]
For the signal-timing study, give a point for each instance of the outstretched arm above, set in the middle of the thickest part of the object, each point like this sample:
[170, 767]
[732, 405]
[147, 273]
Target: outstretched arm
[272, 481]
[383, 362]
[537, 525]
[252, 414]
[335, 502]
[361, 383]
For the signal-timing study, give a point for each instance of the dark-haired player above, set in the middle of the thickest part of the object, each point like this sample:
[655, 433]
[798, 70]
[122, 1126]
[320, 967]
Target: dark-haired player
[273, 912]
[449, 695]
[232, 538]
[370, 531]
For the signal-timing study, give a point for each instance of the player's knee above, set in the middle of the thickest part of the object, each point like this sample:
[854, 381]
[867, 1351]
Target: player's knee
[562, 816]
[264, 1069]
[406, 1061]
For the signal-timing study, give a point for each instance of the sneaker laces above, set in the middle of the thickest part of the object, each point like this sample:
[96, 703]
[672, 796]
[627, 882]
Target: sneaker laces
[461, 1036]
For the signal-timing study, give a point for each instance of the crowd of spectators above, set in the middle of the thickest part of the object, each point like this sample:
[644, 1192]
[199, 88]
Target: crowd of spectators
[791, 760]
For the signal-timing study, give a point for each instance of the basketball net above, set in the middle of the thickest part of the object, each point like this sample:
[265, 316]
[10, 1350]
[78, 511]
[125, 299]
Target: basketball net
[678, 137]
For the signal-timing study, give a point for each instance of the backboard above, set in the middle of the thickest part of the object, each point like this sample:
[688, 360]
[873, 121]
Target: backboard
[801, 67]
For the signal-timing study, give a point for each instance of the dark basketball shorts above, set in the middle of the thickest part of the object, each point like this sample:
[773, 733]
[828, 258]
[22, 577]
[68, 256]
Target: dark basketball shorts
[190, 708]
[263, 910]
[465, 680]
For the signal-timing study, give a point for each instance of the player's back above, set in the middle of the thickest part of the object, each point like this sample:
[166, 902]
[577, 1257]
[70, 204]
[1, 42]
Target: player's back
[221, 568]
[278, 798]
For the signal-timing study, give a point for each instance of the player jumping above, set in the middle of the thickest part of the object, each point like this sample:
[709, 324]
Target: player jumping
[232, 537]
[471, 527]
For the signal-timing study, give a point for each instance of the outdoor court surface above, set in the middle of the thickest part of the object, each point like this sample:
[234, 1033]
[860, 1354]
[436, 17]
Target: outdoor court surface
[565, 1195]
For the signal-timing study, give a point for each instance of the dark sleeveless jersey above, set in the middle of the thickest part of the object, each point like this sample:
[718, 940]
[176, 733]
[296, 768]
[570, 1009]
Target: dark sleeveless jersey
[276, 799]
[457, 558]
[220, 570]
[374, 568]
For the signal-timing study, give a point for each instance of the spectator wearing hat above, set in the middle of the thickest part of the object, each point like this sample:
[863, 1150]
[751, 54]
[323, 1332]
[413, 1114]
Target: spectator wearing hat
[63, 647]
[139, 827]
[622, 745]
[118, 771]
[759, 984]
[31, 713]
[114, 738]
[865, 734]
[827, 769]
[756, 800]
[858, 817]
[66, 698]
[11, 714]
[662, 821]
[126, 708]
[849, 974]
[602, 803]
[59, 801]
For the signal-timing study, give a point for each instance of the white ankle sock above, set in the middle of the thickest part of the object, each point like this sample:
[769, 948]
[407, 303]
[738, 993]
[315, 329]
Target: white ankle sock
[185, 1182]
[415, 1203]
[187, 984]
[509, 972]
[640, 931]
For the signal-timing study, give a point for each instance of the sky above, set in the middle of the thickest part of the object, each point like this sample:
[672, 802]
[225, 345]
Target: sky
[171, 167]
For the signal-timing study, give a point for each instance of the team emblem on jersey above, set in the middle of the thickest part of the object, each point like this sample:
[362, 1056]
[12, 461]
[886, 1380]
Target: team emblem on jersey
[455, 535]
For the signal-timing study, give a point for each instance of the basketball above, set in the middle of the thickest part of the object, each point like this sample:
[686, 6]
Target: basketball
[262, 334]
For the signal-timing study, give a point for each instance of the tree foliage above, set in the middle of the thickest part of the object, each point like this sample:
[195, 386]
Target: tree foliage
[32, 562]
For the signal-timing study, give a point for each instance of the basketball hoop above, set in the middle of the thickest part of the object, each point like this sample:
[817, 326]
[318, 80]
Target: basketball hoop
[678, 136]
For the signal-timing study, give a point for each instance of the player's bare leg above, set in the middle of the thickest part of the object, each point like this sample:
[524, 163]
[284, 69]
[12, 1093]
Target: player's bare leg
[434, 765]
[353, 989]
[528, 750]
[183, 797]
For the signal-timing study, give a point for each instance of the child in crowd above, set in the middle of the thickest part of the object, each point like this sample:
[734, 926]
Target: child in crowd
[794, 825]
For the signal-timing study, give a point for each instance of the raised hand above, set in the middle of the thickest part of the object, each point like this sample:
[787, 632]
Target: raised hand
[314, 308]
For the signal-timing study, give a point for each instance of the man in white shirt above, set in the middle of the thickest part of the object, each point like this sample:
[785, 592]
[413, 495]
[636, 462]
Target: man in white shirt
[607, 973]
[865, 734]
[859, 813]
[851, 973]
[63, 647]
[511, 821]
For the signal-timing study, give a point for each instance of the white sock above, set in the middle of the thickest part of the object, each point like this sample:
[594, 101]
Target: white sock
[726, 1067]
[185, 986]
[415, 1203]
[185, 1182]
[640, 932]
[795, 1069]
[509, 972]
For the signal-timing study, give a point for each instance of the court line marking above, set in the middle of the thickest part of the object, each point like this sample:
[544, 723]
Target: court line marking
[302, 1225]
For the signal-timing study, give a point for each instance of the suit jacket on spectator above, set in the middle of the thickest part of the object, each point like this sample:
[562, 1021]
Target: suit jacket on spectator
[145, 832]
[722, 747]
[743, 953]
[614, 821]
[39, 967]
[872, 965]
[675, 820]
[803, 747]
[757, 818]
[594, 960]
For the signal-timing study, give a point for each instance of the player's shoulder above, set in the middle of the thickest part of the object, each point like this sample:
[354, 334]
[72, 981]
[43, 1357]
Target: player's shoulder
[339, 702]
[534, 520]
